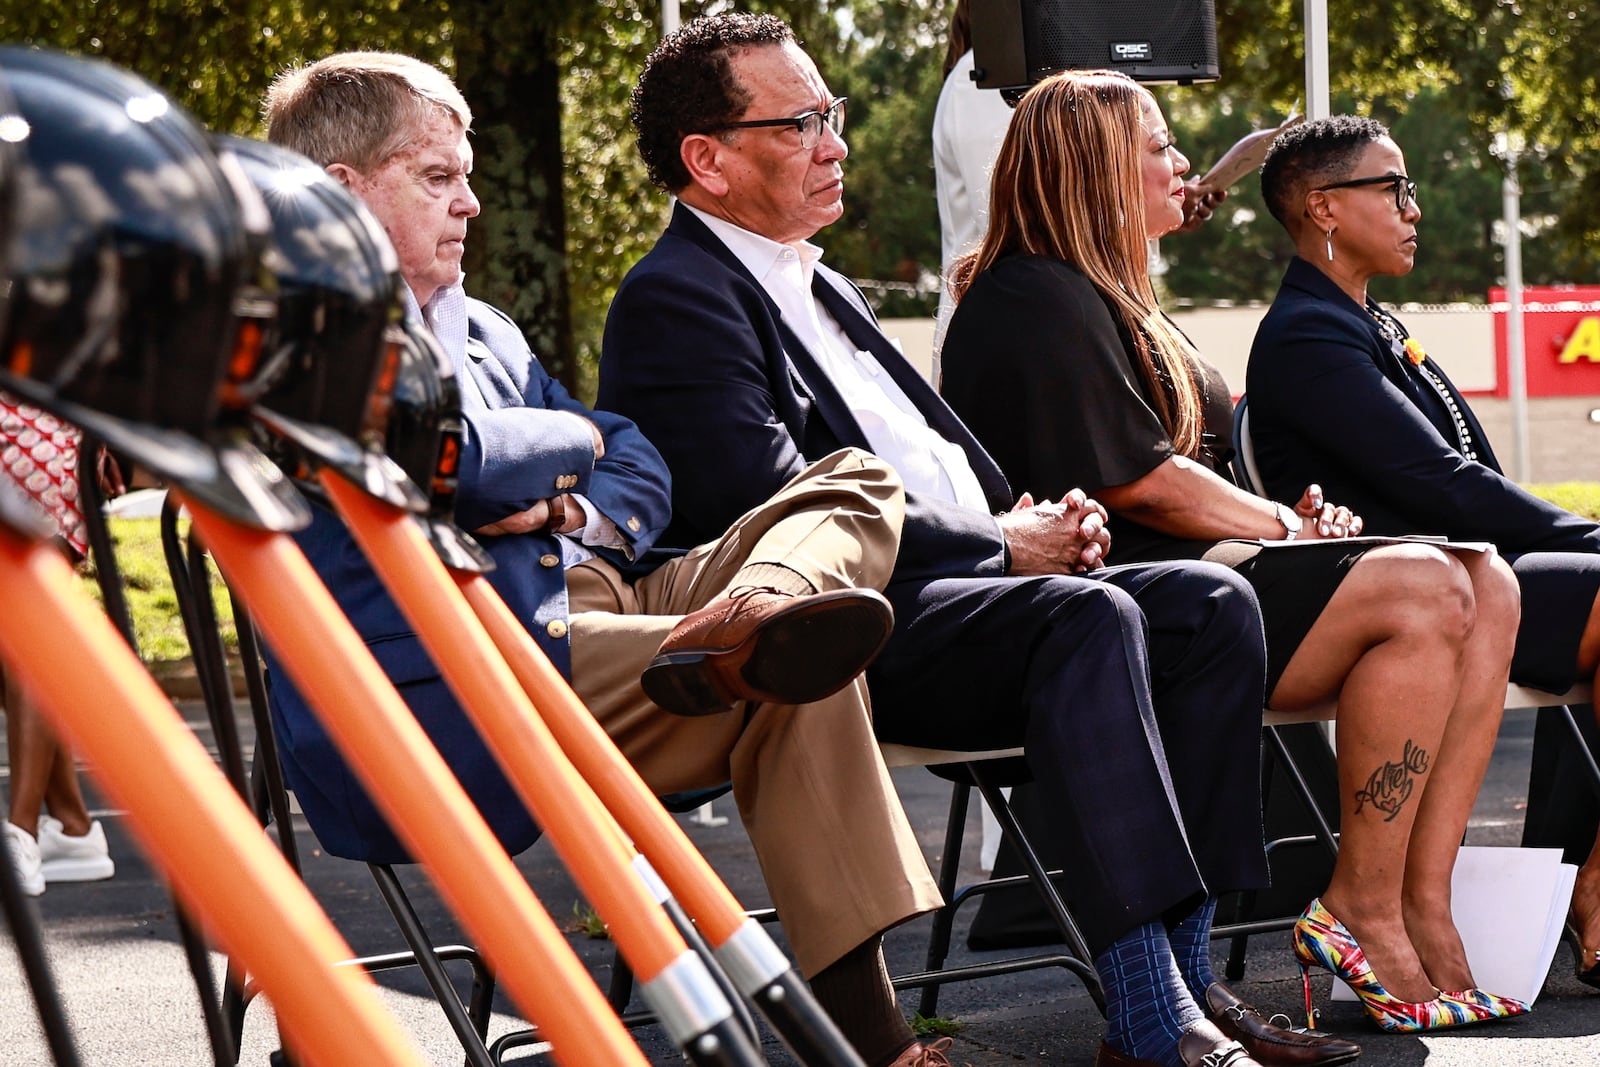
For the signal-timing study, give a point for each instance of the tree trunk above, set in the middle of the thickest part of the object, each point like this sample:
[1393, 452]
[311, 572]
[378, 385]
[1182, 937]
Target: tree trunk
[516, 252]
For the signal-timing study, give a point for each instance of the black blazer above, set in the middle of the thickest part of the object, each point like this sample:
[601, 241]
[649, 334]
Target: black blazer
[1332, 402]
[698, 356]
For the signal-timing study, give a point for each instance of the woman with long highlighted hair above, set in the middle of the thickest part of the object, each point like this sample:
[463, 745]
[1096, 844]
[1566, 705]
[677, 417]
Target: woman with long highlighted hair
[1061, 360]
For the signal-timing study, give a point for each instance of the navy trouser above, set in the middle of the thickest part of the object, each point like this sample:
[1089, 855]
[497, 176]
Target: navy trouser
[1100, 679]
[1558, 593]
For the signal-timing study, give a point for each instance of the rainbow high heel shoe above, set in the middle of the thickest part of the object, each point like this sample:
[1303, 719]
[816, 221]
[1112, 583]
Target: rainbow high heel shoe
[1321, 940]
[1490, 1006]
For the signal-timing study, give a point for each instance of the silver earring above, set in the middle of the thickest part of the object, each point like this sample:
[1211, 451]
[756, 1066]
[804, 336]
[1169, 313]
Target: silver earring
[1329, 236]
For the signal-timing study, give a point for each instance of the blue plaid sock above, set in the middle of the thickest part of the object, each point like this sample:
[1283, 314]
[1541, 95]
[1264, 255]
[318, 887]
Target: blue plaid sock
[1147, 1005]
[1191, 948]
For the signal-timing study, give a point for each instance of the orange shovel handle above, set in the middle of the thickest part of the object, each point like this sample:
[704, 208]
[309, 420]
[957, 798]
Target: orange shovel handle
[98, 696]
[582, 832]
[692, 881]
[418, 794]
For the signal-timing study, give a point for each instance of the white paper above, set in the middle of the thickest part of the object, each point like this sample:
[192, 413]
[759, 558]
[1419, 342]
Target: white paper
[1510, 905]
[1399, 539]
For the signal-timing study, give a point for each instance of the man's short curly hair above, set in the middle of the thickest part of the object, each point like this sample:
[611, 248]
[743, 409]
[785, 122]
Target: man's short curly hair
[1312, 154]
[688, 87]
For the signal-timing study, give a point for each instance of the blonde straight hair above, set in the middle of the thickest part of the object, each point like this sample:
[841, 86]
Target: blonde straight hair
[1068, 183]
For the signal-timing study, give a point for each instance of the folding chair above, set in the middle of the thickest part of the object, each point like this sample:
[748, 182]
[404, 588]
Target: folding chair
[620, 991]
[1277, 736]
[268, 797]
[989, 771]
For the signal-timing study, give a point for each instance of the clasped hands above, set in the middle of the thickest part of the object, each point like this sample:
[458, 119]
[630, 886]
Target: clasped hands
[1321, 520]
[1065, 537]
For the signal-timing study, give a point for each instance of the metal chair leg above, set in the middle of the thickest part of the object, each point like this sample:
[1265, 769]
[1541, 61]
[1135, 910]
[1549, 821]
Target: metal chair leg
[1583, 747]
[1239, 932]
[1079, 959]
[944, 919]
[405, 916]
[22, 918]
[1245, 902]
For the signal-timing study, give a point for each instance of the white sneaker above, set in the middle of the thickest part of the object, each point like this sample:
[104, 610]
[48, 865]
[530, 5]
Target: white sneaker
[73, 859]
[25, 857]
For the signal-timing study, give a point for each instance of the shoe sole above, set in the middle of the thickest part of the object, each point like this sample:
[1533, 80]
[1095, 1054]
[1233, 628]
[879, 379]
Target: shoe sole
[85, 869]
[800, 656]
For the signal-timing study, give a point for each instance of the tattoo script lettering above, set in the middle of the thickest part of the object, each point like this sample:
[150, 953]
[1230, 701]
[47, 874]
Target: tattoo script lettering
[1391, 784]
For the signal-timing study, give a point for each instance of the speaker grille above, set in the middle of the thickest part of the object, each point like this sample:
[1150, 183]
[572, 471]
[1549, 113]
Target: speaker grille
[1150, 40]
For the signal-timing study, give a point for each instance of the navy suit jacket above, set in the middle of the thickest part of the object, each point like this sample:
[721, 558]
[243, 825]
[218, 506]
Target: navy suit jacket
[699, 356]
[1331, 402]
[526, 440]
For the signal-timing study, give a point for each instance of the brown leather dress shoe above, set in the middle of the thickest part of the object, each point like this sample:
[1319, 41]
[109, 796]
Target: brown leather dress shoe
[920, 1055]
[767, 645]
[1273, 1046]
[1202, 1045]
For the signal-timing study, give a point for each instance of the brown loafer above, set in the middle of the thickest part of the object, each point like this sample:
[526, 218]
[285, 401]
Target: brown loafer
[769, 646]
[1273, 1046]
[917, 1054]
[1202, 1045]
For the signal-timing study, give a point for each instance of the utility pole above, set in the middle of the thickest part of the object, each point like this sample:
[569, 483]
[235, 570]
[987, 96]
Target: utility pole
[1516, 348]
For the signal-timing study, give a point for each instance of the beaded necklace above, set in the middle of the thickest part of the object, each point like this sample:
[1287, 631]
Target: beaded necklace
[1392, 331]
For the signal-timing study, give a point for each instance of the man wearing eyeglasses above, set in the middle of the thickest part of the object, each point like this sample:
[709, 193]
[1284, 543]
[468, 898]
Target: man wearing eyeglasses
[737, 661]
[741, 356]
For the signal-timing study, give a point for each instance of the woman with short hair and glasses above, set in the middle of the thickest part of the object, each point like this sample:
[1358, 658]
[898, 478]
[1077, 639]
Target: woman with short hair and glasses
[1061, 361]
[1337, 385]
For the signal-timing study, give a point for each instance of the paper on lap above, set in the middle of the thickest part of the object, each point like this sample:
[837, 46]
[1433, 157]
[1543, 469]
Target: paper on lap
[1428, 539]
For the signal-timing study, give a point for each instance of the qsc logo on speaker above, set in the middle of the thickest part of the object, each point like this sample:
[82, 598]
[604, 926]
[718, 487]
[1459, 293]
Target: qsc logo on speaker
[1131, 52]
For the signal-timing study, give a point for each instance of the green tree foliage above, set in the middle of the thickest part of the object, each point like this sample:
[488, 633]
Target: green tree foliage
[1240, 255]
[549, 82]
[1447, 77]
[517, 257]
[216, 57]
[614, 213]
[891, 71]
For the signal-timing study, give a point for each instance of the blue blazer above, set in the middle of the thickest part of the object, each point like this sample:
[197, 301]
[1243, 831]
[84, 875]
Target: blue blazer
[526, 440]
[1332, 402]
[699, 356]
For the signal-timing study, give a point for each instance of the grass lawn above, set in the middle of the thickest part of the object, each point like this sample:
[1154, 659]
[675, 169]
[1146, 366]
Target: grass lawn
[160, 631]
[151, 601]
[1580, 498]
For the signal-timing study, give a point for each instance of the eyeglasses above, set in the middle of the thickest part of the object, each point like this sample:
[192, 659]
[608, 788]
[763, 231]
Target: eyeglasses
[1405, 190]
[809, 124]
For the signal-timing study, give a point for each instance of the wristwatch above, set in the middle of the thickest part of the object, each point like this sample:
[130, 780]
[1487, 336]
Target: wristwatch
[1290, 519]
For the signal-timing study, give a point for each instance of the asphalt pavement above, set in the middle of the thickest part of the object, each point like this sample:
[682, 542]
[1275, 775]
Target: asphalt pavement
[132, 1003]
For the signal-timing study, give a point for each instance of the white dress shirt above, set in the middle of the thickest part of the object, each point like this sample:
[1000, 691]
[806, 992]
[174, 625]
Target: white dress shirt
[897, 432]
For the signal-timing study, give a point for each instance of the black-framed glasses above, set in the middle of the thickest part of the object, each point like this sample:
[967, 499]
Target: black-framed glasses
[1405, 190]
[809, 124]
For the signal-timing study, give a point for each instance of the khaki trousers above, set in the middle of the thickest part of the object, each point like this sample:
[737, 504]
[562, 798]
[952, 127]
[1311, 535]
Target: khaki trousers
[839, 857]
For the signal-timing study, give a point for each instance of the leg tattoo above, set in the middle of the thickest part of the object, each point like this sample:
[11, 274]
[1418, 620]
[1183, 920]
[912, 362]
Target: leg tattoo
[1391, 784]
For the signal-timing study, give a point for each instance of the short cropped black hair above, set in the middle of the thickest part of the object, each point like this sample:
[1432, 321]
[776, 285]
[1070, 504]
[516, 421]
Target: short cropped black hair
[688, 87]
[1312, 154]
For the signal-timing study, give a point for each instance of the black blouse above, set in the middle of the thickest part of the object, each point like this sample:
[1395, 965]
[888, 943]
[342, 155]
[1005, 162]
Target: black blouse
[1037, 365]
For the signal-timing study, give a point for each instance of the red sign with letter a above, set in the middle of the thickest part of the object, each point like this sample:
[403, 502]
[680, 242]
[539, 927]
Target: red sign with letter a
[1561, 340]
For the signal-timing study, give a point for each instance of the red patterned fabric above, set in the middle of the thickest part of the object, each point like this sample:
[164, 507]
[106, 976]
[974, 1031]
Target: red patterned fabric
[40, 453]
